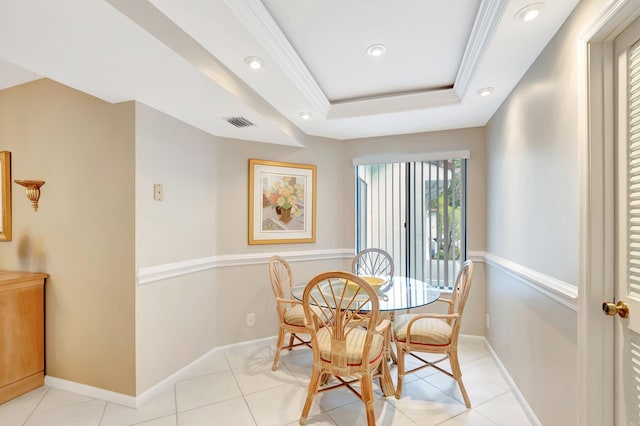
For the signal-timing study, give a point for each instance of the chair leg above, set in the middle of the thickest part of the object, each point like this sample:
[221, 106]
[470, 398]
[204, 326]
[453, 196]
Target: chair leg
[367, 397]
[386, 383]
[276, 358]
[291, 341]
[400, 363]
[457, 375]
[314, 384]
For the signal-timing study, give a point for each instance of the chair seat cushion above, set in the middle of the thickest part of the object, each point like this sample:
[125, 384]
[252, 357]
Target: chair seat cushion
[426, 331]
[294, 315]
[354, 346]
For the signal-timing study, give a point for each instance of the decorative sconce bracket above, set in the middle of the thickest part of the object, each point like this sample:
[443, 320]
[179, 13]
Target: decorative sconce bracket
[32, 190]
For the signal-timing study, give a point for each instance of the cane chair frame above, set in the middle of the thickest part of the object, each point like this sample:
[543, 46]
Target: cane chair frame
[341, 314]
[373, 262]
[453, 318]
[281, 278]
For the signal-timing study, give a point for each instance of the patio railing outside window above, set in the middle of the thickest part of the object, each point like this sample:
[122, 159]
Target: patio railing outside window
[416, 211]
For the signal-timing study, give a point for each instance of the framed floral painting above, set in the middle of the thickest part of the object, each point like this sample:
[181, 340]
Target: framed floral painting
[282, 207]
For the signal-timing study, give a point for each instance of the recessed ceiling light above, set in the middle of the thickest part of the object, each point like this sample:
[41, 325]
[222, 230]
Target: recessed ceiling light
[376, 50]
[305, 115]
[254, 62]
[530, 12]
[485, 91]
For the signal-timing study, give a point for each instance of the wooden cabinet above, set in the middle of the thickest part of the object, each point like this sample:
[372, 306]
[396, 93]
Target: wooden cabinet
[21, 332]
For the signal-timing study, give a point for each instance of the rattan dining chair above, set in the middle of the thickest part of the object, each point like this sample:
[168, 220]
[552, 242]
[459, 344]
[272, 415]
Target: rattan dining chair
[373, 262]
[435, 334]
[341, 348]
[290, 311]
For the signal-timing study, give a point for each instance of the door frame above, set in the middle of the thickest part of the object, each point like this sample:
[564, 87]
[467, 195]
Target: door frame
[596, 246]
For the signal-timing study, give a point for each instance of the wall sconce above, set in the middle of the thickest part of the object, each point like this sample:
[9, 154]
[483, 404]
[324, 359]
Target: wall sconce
[33, 190]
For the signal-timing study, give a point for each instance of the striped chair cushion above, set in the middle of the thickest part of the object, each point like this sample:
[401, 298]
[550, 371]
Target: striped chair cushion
[427, 331]
[354, 346]
[295, 314]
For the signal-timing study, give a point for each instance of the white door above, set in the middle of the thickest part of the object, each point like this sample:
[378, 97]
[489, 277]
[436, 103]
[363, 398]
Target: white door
[627, 225]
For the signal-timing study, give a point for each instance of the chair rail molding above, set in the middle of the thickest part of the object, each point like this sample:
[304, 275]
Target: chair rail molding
[560, 291]
[151, 274]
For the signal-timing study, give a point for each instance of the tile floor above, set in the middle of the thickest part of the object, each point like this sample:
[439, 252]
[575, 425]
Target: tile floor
[236, 387]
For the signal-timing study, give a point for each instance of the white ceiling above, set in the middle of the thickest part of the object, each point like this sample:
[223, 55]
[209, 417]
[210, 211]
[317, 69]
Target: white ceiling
[187, 59]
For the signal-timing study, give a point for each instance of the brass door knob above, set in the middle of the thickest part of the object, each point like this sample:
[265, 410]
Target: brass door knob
[619, 308]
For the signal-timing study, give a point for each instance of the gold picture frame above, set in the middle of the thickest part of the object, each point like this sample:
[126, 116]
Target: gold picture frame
[282, 202]
[5, 195]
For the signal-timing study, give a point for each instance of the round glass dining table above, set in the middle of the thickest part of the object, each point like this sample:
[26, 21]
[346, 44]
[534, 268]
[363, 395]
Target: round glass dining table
[400, 293]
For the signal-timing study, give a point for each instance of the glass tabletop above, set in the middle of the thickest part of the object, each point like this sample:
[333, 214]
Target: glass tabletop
[398, 294]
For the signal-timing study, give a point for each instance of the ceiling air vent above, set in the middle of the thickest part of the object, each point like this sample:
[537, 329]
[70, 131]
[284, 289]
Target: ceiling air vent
[239, 121]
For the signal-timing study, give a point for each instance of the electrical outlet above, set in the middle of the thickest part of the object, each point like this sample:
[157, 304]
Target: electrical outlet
[158, 192]
[251, 320]
[488, 320]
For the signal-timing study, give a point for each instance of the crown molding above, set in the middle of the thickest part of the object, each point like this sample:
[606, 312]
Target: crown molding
[487, 20]
[259, 22]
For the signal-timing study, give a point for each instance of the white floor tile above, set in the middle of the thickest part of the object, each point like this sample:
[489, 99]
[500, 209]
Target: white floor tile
[205, 390]
[484, 370]
[504, 410]
[163, 421]
[426, 405]
[252, 379]
[161, 406]
[355, 414]
[216, 363]
[228, 413]
[298, 363]
[16, 411]
[334, 398]
[250, 355]
[469, 418]
[87, 413]
[472, 344]
[56, 398]
[317, 420]
[237, 387]
[478, 392]
[279, 406]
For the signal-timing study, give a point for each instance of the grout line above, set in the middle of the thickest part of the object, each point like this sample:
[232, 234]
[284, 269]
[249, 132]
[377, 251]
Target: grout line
[36, 407]
[244, 398]
[104, 410]
[175, 402]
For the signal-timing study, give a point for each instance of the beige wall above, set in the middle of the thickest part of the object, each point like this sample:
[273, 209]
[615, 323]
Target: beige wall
[533, 219]
[205, 214]
[83, 232]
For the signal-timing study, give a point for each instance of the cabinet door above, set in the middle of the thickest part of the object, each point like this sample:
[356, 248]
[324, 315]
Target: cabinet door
[21, 333]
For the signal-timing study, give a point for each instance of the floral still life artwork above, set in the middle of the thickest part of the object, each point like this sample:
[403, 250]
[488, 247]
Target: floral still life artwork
[281, 202]
[286, 197]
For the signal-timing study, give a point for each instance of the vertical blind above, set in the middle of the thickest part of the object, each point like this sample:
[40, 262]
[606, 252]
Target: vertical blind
[416, 212]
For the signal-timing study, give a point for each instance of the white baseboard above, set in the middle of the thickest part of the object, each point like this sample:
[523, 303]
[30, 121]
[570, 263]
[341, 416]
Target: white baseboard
[147, 395]
[90, 391]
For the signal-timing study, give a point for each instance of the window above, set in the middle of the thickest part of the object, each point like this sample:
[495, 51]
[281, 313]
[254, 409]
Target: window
[416, 211]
